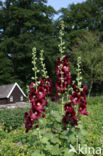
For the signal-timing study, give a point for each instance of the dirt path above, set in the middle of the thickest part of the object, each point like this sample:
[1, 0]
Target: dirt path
[14, 105]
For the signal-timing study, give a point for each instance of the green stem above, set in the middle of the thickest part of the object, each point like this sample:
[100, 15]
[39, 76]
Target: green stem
[62, 104]
[39, 135]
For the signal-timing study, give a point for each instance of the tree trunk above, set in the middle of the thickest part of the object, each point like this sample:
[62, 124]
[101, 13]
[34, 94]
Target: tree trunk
[90, 89]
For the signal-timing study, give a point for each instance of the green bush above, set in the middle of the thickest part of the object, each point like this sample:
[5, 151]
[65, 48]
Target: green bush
[12, 119]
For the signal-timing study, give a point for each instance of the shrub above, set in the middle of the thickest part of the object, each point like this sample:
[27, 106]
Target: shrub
[12, 119]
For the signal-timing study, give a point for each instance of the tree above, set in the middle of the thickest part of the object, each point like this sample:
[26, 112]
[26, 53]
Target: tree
[6, 69]
[23, 25]
[90, 49]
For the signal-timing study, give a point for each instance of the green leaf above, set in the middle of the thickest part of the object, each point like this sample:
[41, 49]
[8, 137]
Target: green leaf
[44, 140]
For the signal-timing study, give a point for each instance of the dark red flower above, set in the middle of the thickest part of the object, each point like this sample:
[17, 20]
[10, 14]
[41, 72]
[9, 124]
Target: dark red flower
[70, 117]
[32, 85]
[58, 60]
[83, 108]
[60, 86]
[28, 123]
[54, 131]
[45, 81]
[32, 96]
[41, 93]
[35, 114]
[26, 115]
[39, 104]
[66, 67]
[37, 126]
[74, 121]
[75, 88]
[67, 105]
[75, 98]
[69, 77]
[65, 59]
[70, 112]
[83, 92]
[46, 88]
[43, 115]
[65, 120]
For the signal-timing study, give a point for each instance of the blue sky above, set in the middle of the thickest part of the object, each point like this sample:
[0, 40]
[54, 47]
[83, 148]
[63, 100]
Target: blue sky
[57, 4]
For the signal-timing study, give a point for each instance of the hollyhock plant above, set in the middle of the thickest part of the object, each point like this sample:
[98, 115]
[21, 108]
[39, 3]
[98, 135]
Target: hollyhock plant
[65, 113]
[63, 75]
[39, 90]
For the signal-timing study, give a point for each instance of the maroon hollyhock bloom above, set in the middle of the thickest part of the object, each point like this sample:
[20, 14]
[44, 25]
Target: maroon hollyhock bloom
[46, 88]
[60, 86]
[66, 67]
[83, 93]
[65, 59]
[70, 117]
[62, 77]
[74, 121]
[46, 83]
[67, 105]
[41, 92]
[75, 88]
[43, 115]
[28, 123]
[75, 98]
[83, 108]
[70, 112]
[39, 104]
[37, 126]
[35, 114]
[65, 120]
[26, 115]
[54, 131]
[58, 60]
[32, 96]
[69, 79]
[58, 70]
[32, 85]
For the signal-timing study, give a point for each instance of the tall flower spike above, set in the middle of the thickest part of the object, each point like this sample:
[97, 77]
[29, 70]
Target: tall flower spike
[79, 77]
[62, 43]
[36, 71]
[44, 71]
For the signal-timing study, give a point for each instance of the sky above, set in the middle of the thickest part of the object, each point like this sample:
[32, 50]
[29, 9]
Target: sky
[58, 4]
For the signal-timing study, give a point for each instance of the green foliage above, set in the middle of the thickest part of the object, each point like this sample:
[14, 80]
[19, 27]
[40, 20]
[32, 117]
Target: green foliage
[24, 24]
[12, 119]
[19, 143]
[90, 50]
[6, 69]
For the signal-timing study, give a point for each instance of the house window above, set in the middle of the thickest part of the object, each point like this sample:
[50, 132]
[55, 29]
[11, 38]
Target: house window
[11, 98]
[21, 98]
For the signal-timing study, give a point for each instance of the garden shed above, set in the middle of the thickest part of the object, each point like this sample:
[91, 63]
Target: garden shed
[11, 93]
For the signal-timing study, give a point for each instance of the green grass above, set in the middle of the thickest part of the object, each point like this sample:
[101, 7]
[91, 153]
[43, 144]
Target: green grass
[94, 122]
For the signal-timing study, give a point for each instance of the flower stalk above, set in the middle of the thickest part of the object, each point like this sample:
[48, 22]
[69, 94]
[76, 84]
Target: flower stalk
[44, 71]
[35, 69]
